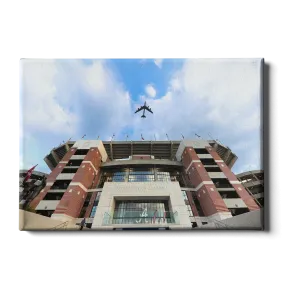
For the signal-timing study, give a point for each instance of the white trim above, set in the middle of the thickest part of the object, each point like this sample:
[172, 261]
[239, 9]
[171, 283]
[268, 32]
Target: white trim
[63, 161]
[204, 183]
[88, 161]
[219, 160]
[235, 182]
[219, 216]
[95, 190]
[78, 184]
[49, 183]
[62, 217]
[195, 160]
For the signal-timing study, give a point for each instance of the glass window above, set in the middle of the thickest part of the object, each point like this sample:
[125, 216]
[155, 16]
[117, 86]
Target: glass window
[93, 211]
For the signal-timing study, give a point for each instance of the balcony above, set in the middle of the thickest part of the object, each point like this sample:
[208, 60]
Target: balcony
[65, 176]
[204, 156]
[119, 217]
[216, 175]
[235, 203]
[47, 205]
[78, 157]
[253, 183]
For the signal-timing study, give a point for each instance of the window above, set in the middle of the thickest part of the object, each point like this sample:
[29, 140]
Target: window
[194, 225]
[93, 211]
[190, 211]
[95, 205]
[204, 223]
[184, 195]
[142, 212]
[163, 176]
[141, 174]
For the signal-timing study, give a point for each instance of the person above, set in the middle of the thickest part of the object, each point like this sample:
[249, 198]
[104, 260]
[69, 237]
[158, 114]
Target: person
[82, 224]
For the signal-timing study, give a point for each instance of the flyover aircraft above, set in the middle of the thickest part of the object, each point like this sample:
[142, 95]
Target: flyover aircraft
[144, 107]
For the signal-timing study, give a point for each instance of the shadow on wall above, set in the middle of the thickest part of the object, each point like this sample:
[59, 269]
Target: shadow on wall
[29, 221]
[248, 221]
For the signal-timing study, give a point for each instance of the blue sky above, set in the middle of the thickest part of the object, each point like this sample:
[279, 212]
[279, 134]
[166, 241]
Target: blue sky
[62, 99]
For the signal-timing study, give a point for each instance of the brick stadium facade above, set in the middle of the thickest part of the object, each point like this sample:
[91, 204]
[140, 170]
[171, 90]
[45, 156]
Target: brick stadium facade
[143, 184]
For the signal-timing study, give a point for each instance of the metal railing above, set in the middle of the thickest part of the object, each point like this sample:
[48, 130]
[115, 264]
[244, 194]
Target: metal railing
[151, 217]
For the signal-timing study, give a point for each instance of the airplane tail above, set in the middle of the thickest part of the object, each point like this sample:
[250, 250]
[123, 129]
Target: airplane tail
[143, 116]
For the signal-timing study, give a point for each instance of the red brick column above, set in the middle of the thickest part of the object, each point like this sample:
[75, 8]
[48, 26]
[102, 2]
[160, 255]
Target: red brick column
[71, 202]
[50, 180]
[244, 195]
[209, 198]
[39, 197]
[69, 154]
[74, 197]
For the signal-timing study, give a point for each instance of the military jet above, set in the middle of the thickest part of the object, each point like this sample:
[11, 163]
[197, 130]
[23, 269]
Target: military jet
[144, 107]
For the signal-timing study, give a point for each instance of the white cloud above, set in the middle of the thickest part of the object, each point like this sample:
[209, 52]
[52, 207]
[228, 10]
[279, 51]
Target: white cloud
[150, 90]
[69, 97]
[217, 96]
[158, 62]
[40, 108]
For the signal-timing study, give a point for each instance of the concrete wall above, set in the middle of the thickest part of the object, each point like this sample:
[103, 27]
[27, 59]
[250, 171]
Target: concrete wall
[78, 157]
[165, 162]
[216, 175]
[251, 220]
[65, 176]
[235, 203]
[143, 190]
[32, 221]
[47, 205]
[190, 143]
[204, 156]
[86, 144]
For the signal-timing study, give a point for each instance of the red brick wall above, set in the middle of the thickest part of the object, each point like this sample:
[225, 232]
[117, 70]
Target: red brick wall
[248, 200]
[245, 196]
[198, 173]
[39, 197]
[69, 154]
[71, 202]
[94, 156]
[228, 173]
[211, 201]
[57, 170]
[84, 175]
[213, 153]
[188, 155]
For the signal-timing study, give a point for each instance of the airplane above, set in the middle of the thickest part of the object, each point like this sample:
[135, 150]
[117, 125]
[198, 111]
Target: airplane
[144, 107]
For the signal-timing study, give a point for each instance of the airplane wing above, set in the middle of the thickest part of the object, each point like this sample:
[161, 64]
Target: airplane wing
[149, 109]
[139, 109]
